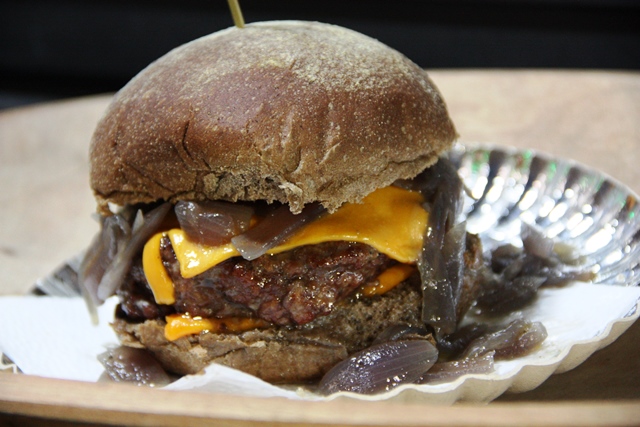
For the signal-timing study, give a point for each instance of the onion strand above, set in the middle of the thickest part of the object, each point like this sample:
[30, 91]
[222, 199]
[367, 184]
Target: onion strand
[274, 229]
[380, 367]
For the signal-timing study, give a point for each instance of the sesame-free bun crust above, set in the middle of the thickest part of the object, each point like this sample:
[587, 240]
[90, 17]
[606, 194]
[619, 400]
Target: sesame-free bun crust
[284, 111]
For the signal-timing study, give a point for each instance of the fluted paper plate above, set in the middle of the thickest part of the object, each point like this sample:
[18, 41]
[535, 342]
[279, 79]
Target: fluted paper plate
[570, 202]
[581, 207]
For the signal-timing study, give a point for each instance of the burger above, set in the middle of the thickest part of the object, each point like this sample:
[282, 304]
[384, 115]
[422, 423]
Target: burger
[265, 197]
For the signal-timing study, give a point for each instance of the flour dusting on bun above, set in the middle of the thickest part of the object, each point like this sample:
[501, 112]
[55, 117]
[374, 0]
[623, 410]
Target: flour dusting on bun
[294, 112]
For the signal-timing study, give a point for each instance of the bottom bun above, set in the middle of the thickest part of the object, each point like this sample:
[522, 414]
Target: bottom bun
[282, 354]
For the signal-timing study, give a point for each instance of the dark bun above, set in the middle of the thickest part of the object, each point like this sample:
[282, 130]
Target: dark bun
[294, 112]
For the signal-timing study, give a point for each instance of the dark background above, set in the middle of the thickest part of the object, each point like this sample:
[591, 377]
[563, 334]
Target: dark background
[52, 49]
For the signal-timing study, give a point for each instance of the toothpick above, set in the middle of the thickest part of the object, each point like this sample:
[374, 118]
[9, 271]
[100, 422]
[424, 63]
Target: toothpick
[236, 13]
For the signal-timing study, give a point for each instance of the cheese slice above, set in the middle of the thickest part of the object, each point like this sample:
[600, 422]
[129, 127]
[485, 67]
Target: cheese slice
[389, 279]
[391, 220]
[195, 258]
[182, 325]
[157, 276]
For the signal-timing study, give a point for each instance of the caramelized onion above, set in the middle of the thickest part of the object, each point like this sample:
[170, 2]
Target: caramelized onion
[213, 222]
[441, 272]
[398, 332]
[437, 296]
[274, 229]
[109, 257]
[517, 339]
[536, 243]
[381, 367]
[453, 250]
[504, 296]
[133, 365]
[440, 185]
[441, 261]
[114, 234]
[453, 345]
[145, 228]
[515, 274]
[449, 371]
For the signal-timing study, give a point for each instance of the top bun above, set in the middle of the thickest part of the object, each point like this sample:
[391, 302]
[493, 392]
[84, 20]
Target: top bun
[286, 111]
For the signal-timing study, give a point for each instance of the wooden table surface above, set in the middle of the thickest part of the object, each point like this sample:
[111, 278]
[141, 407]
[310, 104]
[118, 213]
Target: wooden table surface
[592, 117]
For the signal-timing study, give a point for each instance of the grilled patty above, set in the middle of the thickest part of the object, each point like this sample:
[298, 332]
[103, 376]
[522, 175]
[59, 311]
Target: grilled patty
[290, 288]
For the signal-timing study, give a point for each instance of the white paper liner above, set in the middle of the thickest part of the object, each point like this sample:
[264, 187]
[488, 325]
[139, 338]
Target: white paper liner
[53, 337]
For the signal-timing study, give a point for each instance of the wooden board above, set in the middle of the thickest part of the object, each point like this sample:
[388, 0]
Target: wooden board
[46, 212]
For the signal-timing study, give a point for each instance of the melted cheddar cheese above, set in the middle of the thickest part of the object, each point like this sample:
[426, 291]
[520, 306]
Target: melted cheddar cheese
[182, 325]
[389, 279]
[155, 273]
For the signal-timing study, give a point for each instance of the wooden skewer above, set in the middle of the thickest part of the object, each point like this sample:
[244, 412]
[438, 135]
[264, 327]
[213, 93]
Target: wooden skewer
[236, 13]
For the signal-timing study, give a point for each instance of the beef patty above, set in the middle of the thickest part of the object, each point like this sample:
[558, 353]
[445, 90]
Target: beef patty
[289, 288]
